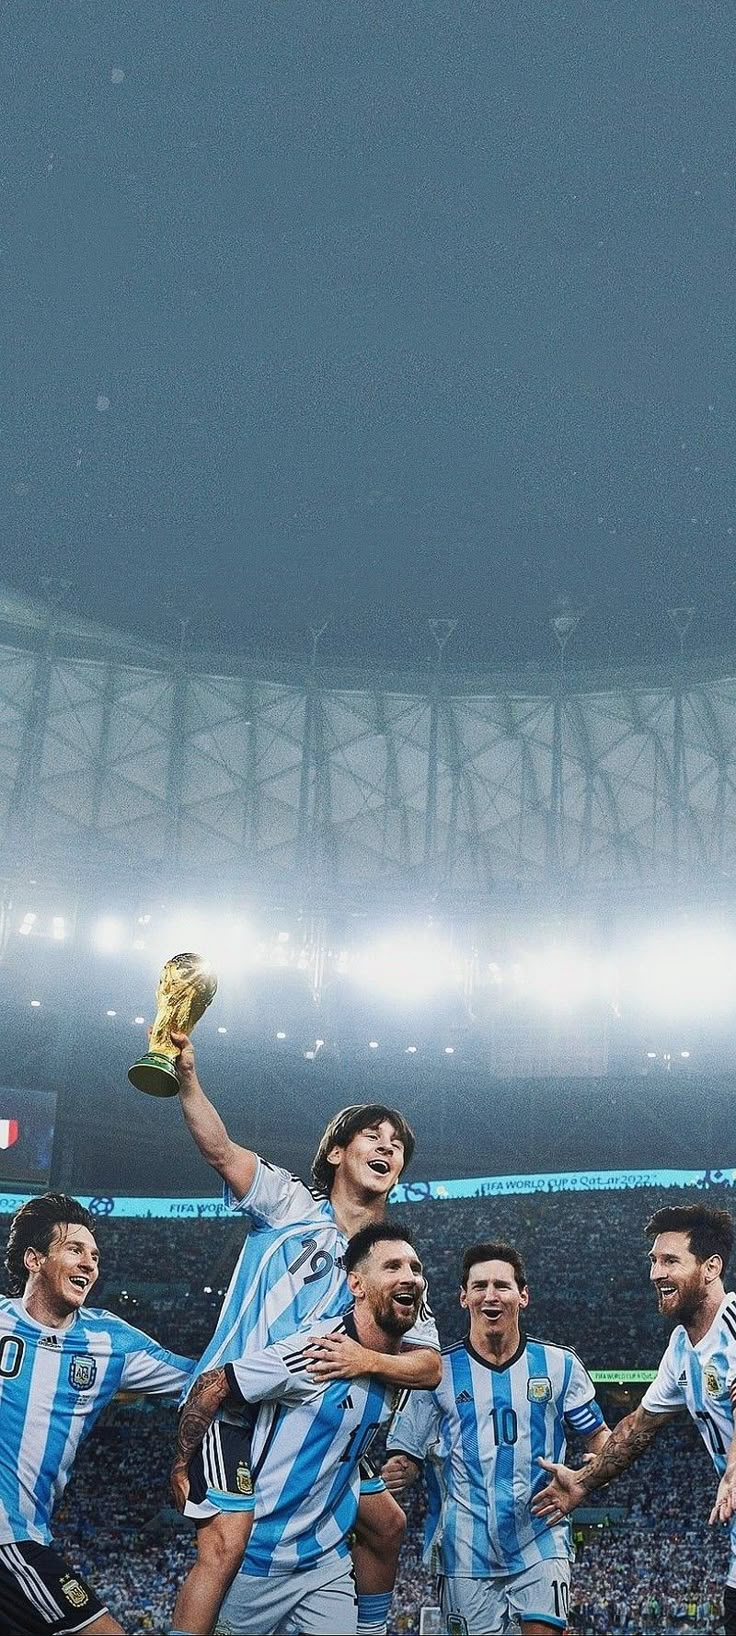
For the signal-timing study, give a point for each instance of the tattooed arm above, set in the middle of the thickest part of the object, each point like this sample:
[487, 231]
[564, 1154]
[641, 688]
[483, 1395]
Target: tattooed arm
[207, 1395]
[568, 1489]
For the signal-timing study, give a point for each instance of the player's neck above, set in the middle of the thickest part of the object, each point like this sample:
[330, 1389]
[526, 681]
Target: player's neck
[354, 1211]
[38, 1306]
[371, 1335]
[700, 1324]
[495, 1348]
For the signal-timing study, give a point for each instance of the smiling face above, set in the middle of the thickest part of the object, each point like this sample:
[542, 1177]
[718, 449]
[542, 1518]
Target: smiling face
[389, 1281]
[61, 1278]
[493, 1299]
[683, 1284]
[371, 1163]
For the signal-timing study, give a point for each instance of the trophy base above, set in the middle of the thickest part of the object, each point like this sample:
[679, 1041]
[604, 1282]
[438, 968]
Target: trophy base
[155, 1074]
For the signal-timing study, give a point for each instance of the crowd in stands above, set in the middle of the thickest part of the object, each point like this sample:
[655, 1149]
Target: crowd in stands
[659, 1569]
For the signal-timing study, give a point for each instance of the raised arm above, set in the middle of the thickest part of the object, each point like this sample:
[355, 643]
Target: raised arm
[236, 1165]
[568, 1489]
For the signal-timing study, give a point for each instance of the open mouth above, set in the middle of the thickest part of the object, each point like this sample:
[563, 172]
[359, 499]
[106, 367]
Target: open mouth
[492, 1312]
[664, 1290]
[380, 1166]
[406, 1304]
[79, 1282]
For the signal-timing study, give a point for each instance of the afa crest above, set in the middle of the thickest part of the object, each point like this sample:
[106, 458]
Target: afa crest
[712, 1381]
[75, 1593]
[82, 1372]
[243, 1479]
[539, 1389]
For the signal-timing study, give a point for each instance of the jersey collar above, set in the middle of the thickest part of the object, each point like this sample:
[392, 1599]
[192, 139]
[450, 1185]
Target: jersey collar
[497, 1368]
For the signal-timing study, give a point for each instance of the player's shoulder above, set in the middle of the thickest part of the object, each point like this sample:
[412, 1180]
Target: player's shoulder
[555, 1350]
[452, 1349]
[295, 1348]
[113, 1331]
[727, 1316]
[452, 1356]
[302, 1194]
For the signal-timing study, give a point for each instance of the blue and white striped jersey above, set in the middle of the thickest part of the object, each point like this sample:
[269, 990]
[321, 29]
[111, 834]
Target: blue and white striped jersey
[307, 1443]
[484, 1429]
[53, 1385]
[289, 1271]
[702, 1379]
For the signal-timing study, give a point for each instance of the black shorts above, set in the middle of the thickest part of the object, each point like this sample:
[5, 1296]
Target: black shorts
[41, 1595]
[220, 1477]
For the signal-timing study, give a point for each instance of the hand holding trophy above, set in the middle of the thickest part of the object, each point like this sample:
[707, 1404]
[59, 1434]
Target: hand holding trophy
[186, 986]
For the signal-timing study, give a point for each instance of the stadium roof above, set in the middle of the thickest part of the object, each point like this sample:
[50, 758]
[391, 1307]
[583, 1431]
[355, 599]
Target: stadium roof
[124, 757]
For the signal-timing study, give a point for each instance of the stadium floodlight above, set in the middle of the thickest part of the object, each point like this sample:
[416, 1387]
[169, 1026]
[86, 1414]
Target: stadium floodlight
[561, 978]
[407, 969]
[27, 924]
[685, 973]
[223, 939]
[58, 928]
[108, 935]
[35, 1004]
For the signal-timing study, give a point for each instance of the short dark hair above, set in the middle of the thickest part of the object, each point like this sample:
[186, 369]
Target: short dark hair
[377, 1232]
[33, 1228]
[493, 1252]
[345, 1125]
[710, 1231]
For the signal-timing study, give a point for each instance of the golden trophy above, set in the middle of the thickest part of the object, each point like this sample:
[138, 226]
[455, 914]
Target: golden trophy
[186, 986]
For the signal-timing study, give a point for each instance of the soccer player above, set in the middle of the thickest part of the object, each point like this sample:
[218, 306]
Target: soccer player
[59, 1366]
[689, 1255]
[289, 1272]
[504, 1399]
[308, 1439]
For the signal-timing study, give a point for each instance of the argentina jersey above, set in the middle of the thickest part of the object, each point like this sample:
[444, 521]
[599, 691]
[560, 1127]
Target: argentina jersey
[702, 1378]
[289, 1271]
[484, 1431]
[307, 1443]
[53, 1385]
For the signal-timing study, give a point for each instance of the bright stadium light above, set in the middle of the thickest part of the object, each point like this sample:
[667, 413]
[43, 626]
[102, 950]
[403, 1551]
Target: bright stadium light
[686, 973]
[27, 924]
[561, 978]
[108, 935]
[58, 928]
[225, 940]
[409, 968]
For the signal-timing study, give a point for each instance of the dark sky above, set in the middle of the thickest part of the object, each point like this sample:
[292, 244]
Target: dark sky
[372, 310]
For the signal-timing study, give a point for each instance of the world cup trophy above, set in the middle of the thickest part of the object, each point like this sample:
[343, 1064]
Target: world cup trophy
[186, 986]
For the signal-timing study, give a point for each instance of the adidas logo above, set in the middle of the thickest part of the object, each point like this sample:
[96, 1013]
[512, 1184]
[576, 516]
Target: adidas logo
[465, 1397]
[683, 1378]
[347, 1402]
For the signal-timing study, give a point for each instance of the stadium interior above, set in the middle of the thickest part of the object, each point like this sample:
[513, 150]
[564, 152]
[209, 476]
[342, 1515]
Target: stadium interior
[497, 904]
